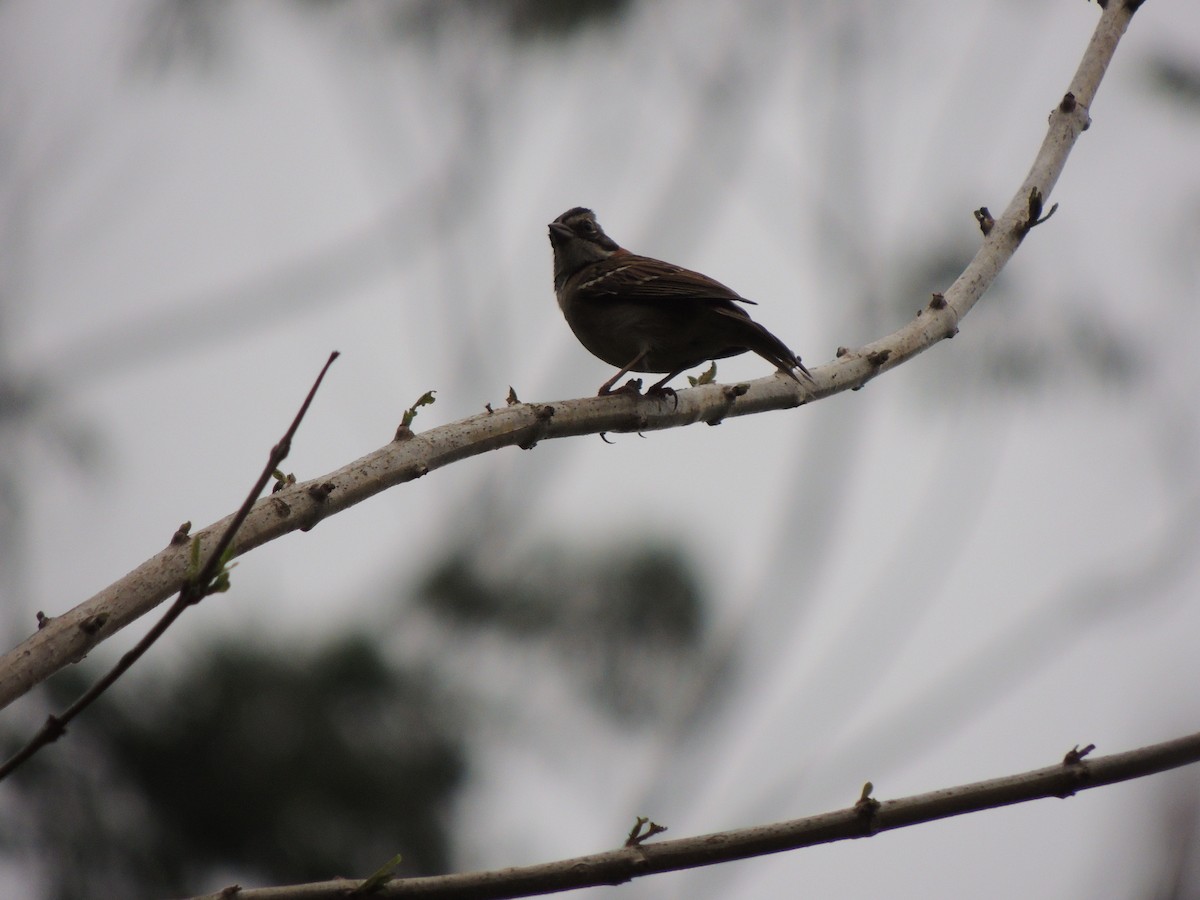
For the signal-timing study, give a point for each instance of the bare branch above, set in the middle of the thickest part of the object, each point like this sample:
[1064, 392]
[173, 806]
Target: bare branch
[68, 637]
[211, 578]
[865, 818]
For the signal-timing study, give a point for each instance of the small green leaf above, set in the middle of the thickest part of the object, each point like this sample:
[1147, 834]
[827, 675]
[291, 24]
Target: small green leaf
[378, 878]
[708, 376]
[411, 413]
[282, 480]
[193, 568]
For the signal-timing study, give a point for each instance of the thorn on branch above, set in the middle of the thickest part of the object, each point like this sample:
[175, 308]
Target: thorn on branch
[1068, 105]
[1076, 754]
[867, 807]
[53, 729]
[320, 492]
[512, 399]
[729, 393]
[92, 624]
[637, 836]
[938, 302]
[1074, 765]
[43, 620]
[985, 220]
[1035, 217]
[180, 537]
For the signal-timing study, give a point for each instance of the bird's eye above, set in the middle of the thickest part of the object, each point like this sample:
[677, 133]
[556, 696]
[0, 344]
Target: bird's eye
[587, 226]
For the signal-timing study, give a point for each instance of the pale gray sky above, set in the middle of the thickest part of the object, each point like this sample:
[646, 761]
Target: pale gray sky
[181, 251]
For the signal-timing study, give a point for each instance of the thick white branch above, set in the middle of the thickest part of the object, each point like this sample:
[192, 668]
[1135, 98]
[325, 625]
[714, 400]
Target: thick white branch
[68, 637]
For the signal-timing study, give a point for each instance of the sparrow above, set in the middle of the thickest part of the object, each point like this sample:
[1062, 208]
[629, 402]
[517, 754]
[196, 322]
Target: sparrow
[646, 315]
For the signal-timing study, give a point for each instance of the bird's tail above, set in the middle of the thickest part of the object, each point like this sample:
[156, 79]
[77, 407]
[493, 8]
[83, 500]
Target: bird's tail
[775, 351]
[754, 337]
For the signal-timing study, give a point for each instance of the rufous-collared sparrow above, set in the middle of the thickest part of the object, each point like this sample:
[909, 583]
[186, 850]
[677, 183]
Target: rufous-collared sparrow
[646, 315]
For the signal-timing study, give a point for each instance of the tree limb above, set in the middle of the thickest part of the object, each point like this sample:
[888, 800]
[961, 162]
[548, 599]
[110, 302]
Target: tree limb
[67, 638]
[865, 818]
[201, 580]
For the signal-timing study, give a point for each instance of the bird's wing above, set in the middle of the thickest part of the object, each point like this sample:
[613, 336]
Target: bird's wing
[640, 279]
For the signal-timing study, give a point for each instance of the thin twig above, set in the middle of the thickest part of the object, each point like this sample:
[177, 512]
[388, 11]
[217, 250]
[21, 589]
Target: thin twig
[866, 818]
[209, 579]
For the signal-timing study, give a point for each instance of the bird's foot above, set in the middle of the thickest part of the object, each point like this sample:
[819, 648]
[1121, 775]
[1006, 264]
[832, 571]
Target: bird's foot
[661, 390]
[632, 386]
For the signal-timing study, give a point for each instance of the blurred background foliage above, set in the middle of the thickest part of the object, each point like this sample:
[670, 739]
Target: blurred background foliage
[249, 763]
[248, 760]
[256, 764]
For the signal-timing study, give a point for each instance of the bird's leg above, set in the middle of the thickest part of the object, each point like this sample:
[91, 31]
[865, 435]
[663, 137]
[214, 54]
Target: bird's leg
[660, 389]
[631, 387]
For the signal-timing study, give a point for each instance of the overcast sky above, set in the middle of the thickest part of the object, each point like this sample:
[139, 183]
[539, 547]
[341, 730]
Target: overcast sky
[977, 562]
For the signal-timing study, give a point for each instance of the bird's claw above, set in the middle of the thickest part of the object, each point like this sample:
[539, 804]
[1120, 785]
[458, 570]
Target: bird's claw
[661, 390]
[632, 386]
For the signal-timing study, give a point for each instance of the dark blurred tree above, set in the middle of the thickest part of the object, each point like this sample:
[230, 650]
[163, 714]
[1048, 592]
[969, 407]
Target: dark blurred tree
[626, 624]
[268, 766]
[523, 19]
[251, 763]
[1176, 79]
[199, 33]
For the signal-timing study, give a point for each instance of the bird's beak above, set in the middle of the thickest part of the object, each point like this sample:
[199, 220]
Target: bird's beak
[559, 233]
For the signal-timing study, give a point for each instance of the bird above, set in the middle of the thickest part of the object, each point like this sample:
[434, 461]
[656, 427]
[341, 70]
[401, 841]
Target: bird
[645, 315]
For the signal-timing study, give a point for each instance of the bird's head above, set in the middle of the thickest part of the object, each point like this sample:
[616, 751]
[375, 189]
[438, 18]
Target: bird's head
[578, 241]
